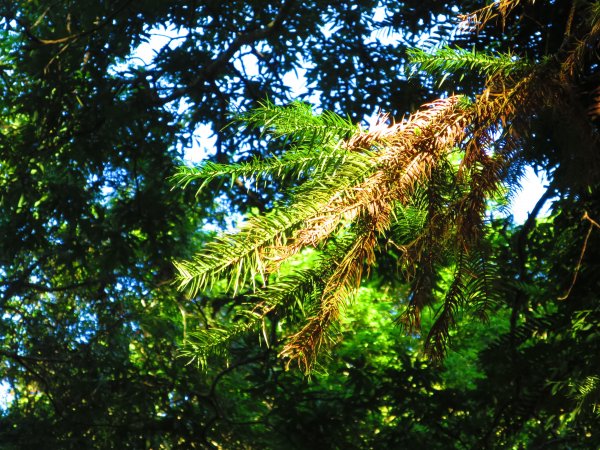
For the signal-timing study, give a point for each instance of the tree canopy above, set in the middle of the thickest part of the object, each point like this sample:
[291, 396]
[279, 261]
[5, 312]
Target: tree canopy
[376, 258]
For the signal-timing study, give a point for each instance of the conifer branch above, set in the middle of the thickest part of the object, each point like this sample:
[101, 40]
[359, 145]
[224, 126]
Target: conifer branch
[297, 122]
[452, 61]
[436, 170]
[300, 162]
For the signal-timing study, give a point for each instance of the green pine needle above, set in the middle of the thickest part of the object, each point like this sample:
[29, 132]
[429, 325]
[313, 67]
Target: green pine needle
[448, 61]
[297, 122]
[299, 162]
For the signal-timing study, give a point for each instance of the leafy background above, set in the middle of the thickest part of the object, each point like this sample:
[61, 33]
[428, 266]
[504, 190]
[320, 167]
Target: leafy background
[91, 325]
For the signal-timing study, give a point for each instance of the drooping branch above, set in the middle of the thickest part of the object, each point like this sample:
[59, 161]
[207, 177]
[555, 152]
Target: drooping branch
[455, 153]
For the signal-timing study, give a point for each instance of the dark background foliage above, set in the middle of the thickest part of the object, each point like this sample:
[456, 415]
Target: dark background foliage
[90, 322]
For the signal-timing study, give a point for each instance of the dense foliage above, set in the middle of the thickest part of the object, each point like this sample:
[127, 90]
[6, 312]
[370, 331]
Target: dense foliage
[95, 337]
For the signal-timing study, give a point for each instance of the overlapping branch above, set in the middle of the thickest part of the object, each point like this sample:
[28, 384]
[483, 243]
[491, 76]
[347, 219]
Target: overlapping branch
[447, 160]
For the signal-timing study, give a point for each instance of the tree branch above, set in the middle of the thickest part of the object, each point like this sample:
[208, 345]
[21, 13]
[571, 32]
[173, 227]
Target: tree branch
[24, 362]
[20, 358]
[522, 241]
[70, 37]
[593, 224]
[67, 287]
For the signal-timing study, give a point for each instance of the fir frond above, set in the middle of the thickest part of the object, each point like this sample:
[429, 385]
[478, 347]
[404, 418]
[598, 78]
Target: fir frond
[584, 46]
[298, 162]
[201, 345]
[437, 340]
[482, 285]
[409, 222]
[303, 346]
[475, 289]
[587, 393]
[456, 61]
[294, 290]
[316, 147]
[297, 122]
[238, 257]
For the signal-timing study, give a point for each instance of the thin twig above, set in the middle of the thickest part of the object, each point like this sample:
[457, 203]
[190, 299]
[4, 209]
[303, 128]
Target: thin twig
[593, 224]
[570, 20]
